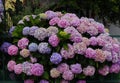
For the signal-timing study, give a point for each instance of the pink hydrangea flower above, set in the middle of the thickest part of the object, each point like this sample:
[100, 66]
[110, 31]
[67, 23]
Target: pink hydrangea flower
[12, 50]
[92, 31]
[90, 53]
[100, 56]
[18, 68]
[104, 71]
[63, 23]
[70, 30]
[82, 28]
[68, 75]
[54, 40]
[89, 71]
[54, 21]
[29, 81]
[108, 55]
[37, 69]
[68, 53]
[76, 37]
[101, 42]
[75, 21]
[63, 67]
[100, 27]
[11, 65]
[86, 41]
[79, 48]
[115, 68]
[22, 43]
[93, 41]
[116, 48]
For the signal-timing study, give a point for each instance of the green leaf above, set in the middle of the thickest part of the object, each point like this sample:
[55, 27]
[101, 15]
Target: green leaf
[46, 75]
[63, 35]
[65, 46]
[18, 31]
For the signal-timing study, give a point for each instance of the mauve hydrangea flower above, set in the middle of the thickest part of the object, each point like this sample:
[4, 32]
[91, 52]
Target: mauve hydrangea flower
[25, 53]
[63, 67]
[93, 41]
[101, 42]
[75, 21]
[37, 69]
[33, 47]
[115, 68]
[76, 37]
[23, 43]
[43, 48]
[64, 81]
[50, 14]
[79, 48]
[54, 40]
[56, 58]
[70, 30]
[90, 53]
[115, 58]
[52, 30]
[4, 47]
[40, 34]
[104, 71]
[18, 68]
[68, 75]
[54, 21]
[68, 53]
[44, 81]
[108, 55]
[29, 81]
[92, 31]
[89, 71]
[54, 73]
[81, 81]
[76, 68]
[26, 68]
[116, 48]
[10, 65]
[26, 30]
[86, 41]
[32, 30]
[12, 50]
[63, 23]
[108, 47]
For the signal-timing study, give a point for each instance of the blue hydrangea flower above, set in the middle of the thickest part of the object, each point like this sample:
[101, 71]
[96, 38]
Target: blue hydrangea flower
[56, 58]
[4, 47]
[33, 47]
[26, 30]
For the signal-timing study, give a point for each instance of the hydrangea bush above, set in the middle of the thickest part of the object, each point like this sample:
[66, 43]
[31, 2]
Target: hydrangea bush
[63, 48]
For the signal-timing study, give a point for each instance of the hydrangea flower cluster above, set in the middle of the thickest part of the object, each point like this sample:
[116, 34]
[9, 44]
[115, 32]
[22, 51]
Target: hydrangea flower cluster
[62, 47]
